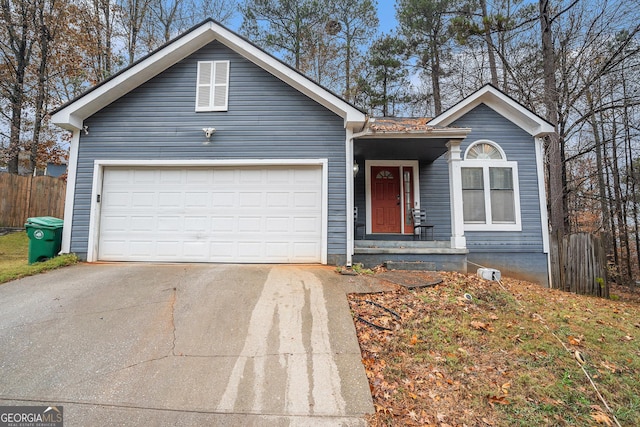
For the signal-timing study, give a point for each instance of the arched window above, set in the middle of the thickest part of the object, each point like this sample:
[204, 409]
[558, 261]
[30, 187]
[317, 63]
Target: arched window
[484, 150]
[490, 191]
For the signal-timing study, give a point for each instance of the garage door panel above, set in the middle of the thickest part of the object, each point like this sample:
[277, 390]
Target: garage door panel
[222, 250]
[144, 176]
[117, 199]
[192, 200]
[250, 176]
[198, 177]
[277, 200]
[223, 225]
[216, 214]
[223, 199]
[306, 249]
[141, 248]
[277, 224]
[250, 200]
[195, 223]
[141, 223]
[308, 200]
[116, 223]
[170, 200]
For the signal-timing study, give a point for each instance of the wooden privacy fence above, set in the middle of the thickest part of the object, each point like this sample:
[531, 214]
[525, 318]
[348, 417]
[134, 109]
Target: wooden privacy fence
[22, 197]
[579, 264]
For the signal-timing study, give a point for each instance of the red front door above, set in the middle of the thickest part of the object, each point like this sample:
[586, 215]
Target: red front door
[385, 199]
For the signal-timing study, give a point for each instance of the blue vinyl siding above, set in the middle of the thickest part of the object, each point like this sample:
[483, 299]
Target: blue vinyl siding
[518, 146]
[434, 196]
[266, 119]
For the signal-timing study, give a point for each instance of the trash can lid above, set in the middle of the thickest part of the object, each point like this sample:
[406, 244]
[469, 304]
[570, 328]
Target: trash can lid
[46, 221]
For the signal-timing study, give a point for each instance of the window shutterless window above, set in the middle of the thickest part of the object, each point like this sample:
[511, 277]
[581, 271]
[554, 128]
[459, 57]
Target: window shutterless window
[490, 192]
[212, 89]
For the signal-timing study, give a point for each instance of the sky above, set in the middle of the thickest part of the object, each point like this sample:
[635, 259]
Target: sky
[387, 16]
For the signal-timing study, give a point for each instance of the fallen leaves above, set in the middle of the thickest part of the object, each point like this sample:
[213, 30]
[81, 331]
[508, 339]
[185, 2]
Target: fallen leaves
[577, 341]
[498, 400]
[601, 418]
[481, 326]
[450, 362]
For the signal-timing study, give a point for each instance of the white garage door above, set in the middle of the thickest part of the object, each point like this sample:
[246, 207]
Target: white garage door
[211, 214]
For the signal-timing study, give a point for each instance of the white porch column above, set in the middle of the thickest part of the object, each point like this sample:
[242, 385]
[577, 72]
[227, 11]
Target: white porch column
[458, 241]
[350, 197]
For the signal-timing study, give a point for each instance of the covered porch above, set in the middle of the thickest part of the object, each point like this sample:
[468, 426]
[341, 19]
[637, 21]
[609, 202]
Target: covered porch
[400, 166]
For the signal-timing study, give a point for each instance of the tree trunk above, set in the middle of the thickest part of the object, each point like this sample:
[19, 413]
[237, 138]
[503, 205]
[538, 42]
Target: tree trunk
[551, 101]
[45, 38]
[435, 76]
[602, 191]
[487, 39]
[20, 45]
[629, 181]
[620, 207]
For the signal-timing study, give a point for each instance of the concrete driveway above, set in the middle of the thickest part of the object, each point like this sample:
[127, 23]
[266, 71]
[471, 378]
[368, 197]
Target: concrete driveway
[134, 344]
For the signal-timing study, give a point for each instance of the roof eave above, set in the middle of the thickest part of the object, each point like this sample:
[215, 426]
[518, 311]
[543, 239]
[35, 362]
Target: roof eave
[435, 133]
[508, 107]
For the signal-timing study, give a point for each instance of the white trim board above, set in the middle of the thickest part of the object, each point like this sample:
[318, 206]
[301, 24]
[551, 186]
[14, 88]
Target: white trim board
[71, 192]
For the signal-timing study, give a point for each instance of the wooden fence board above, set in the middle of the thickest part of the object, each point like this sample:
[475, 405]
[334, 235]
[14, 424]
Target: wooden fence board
[22, 197]
[579, 264]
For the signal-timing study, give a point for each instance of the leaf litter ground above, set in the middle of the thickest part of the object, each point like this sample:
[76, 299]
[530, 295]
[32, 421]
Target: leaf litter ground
[504, 354]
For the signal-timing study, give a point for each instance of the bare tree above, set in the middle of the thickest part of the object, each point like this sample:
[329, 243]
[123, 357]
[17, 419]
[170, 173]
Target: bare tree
[16, 48]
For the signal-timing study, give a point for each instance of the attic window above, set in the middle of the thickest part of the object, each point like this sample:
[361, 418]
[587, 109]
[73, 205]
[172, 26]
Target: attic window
[212, 91]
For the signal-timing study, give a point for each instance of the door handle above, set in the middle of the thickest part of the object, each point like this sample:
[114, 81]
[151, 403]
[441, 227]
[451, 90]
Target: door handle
[398, 199]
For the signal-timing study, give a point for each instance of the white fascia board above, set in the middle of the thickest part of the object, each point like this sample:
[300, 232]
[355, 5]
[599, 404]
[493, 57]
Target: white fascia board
[503, 105]
[72, 116]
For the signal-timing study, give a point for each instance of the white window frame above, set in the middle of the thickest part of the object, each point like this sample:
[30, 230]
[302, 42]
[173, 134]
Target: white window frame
[485, 165]
[212, 85]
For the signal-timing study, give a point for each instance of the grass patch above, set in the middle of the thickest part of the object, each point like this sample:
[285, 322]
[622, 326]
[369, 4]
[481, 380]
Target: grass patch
[14, 252]
[500, 359]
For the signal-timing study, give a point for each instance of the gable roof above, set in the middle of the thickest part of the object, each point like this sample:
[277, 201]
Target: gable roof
[501, 103]
[72, 114]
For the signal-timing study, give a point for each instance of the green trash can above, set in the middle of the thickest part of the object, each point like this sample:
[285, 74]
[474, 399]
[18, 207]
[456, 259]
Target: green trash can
[45, 237]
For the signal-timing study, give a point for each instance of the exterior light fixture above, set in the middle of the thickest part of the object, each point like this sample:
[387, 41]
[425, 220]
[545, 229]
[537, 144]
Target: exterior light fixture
[356, 169]
[208, 132]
